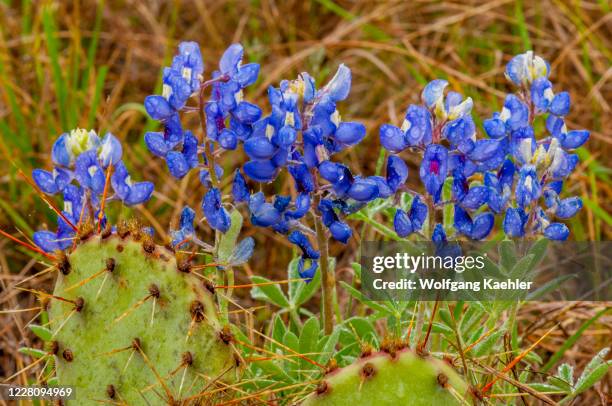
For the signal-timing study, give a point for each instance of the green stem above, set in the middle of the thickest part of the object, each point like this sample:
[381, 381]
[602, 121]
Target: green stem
[328, 280]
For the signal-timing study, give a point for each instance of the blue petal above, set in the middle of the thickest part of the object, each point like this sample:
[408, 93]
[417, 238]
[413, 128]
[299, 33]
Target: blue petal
[261, 171]
[46, 240]
[298, 238]
[495, 128]
[528, 187]
[177, 164]
[228, 139]
[302, 205]
[363, 190]
[433, 170]
[439, 235]
[384, 190]
[484, 150]
[240, 189]
[568, 207]
[392, 138]
[118, 181]
[462, 221]
[556, 231]
[243, 252]
[259, 148]
[402, 224]
[156, 144]
[247, 74]
[339, 86]
[60, 154]
[555, 126]
[216, 215]
[483, 224]
[397, 172]
[575, 139]
[230, 59]
[285, 137]
[519, 112]
[340, 231]
[433, 92]
[560, 105]
[139, 193]
[158, 107]
[110, 151]
[540, 90]
[418, 213]
[187, 219]
[350, 133]
[247, 112]
[308, 273]
[330, 171]
[303, 178]
[475, 197]
[45, 181]
[419, 121]
[514, 222]
[263, 214]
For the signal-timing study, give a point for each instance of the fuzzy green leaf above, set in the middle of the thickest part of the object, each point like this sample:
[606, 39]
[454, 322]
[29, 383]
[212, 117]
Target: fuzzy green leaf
[271, 293]
[593, 372]
[507, 252]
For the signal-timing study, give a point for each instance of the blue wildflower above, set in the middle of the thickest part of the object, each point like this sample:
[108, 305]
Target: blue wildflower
[216, 215]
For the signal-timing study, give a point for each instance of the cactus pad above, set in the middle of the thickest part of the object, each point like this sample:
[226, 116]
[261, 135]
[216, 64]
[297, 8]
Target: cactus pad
[403, 378]
[136, 326]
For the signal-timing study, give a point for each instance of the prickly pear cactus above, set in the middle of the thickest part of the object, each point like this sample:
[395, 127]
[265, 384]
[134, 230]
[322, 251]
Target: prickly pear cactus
[137, 325]
[400, 378]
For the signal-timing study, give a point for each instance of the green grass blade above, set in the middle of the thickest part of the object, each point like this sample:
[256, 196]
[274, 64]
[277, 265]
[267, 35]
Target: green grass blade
[100, 79]
[572, 340]
[53, 49]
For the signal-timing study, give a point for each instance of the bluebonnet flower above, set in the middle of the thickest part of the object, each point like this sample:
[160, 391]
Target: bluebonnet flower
[216, 215]
[475, 229]
[542, 163]
[434, 169]
[62, 239]
[309, 254]
[523, 69]
[180, 81]
[81, 157]
[186, 229]
[411, 222]
[129, 192]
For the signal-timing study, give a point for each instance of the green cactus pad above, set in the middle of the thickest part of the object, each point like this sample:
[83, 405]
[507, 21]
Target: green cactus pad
[126, 328]
[380, 379]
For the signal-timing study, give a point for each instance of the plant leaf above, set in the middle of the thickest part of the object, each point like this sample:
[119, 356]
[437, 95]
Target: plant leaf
[271, 293]
[41, 332]
[227, 242]
[33, 352]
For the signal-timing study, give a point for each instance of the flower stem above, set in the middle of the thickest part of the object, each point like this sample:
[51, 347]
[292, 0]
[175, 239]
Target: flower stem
[328, 279]
[208, 151]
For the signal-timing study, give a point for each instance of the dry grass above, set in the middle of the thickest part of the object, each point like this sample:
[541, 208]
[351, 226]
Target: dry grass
[393, 47]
